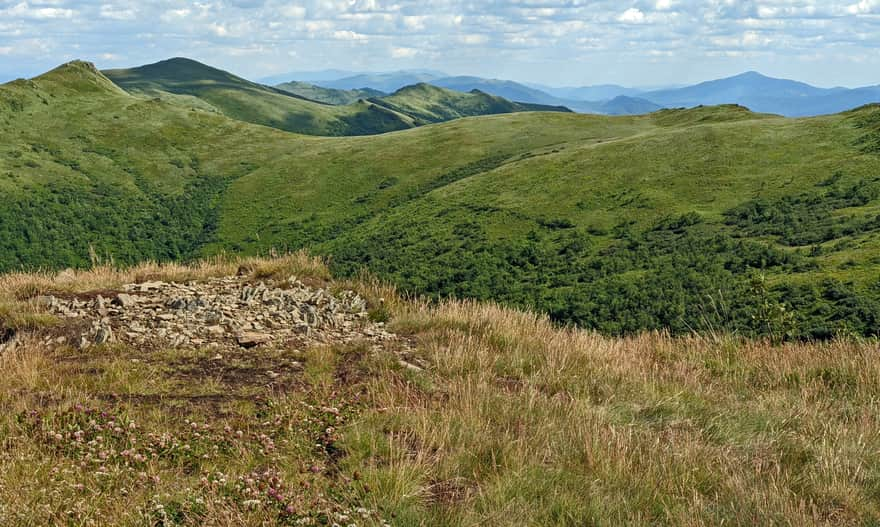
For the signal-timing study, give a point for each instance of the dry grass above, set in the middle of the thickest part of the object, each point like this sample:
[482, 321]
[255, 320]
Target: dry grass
[523, 423]
[514, 422]
[25, 285]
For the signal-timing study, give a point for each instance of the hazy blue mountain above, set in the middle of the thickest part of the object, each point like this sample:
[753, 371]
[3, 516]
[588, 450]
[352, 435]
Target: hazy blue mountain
[600, 92]
[767, 95]
[384, 82]
[307, 76]
[345, 77]
[751, 89]
[623, 105]
[733, 90]
[835, 102]
[510, 90]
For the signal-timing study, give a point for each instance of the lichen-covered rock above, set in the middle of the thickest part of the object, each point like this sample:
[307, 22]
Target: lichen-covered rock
[223, 312]
[250, 339]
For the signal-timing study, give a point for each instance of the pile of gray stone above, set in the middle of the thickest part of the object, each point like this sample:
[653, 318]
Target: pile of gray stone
[221, 312]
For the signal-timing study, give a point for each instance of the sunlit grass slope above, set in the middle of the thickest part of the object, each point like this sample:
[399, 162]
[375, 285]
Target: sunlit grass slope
[430, 104]
[247, 101]
[666, 220]
[512, 421]
[712, 219]
[328, 95]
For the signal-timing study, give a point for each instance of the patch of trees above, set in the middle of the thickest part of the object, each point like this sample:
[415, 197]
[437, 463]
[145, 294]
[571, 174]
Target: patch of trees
[680, 275]
[60, 225]
[809, 218]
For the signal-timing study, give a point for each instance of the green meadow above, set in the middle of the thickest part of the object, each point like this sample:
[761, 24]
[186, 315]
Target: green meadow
[715, 219]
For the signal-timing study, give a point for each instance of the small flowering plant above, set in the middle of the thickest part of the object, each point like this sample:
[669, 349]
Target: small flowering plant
[106, 440]
[107, 448]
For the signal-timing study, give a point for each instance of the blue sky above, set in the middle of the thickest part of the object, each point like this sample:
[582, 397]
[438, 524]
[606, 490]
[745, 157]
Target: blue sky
[559, 42]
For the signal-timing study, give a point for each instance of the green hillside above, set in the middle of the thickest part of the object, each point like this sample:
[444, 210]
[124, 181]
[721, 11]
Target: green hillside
[328, 95]
[430, 104]
[194, 85]
[710, 219]
[254, 103]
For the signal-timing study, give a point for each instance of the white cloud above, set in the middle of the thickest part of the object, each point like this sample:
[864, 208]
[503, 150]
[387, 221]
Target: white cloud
[24, 10]
[416, 23]
[113, 12]
[349, 35]
[864, 7]
[537, 38]
[403, 53]
[173, 15]
[219, 29]
[473, 40]
[632, 16]
[293, 11]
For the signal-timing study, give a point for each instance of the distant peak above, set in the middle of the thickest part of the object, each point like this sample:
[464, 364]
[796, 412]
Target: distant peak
[419, 86]
[751, 75]
[176, 69]
[179, 63]
[181, 60]
[78, 65]
[79, 75]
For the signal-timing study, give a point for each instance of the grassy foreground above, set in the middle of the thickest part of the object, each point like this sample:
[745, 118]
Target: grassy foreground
[514, 422]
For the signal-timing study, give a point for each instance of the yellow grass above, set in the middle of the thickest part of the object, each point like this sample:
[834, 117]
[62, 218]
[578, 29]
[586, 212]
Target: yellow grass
[514, 422]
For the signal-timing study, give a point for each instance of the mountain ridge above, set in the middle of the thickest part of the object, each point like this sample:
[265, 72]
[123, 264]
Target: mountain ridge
[190, 81]
[762, 93]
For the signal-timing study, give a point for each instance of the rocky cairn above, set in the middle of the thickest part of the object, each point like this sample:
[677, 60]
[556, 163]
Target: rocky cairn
[223, 312]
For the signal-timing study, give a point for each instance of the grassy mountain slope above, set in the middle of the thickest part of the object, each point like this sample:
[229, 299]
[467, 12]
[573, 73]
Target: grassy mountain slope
[255, 103]
[328, 95]
[621, 224]
[84, 164]
[512, 91]
[430, 104]
[616, 223]
[183, 81]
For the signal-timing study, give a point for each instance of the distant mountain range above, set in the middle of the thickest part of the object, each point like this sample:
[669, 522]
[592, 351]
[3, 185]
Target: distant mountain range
[769, 95]
[510, 90]
[753, 90]
[306, 109]
[328, 95]
[601, 92]
[331, 75]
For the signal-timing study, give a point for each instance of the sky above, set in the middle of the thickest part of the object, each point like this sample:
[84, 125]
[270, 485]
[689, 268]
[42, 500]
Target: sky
[553, 42]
